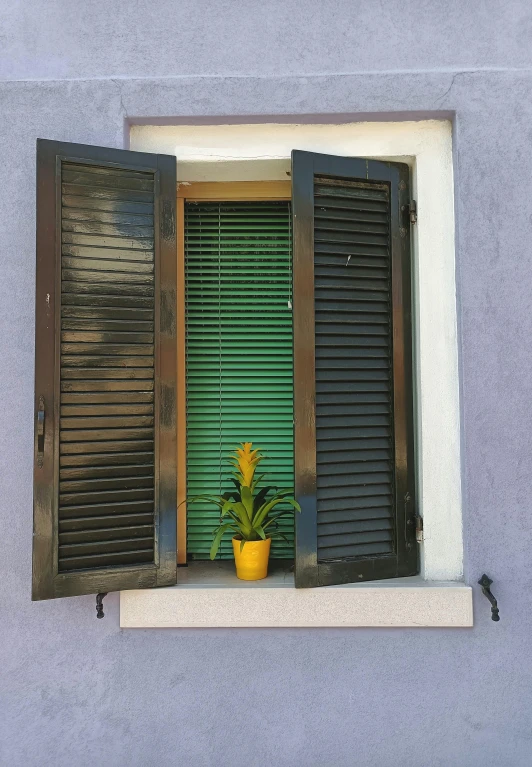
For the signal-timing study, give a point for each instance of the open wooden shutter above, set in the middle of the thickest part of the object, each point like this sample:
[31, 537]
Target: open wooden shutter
[105, 371]
[354, 457]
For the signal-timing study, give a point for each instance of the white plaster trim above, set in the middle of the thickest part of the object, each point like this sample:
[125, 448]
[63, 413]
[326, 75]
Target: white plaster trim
[261, 152]
[401, 603]
[255, 152]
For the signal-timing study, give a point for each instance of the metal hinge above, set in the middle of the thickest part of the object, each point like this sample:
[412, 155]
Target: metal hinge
[412, 211]
[419, 529]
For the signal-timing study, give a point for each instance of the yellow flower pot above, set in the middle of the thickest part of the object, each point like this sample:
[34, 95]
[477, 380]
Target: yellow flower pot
[252, 561]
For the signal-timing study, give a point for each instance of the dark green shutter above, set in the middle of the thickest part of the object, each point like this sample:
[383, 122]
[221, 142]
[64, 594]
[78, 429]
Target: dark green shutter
[238, 353]
[105, 372]
[353, 392]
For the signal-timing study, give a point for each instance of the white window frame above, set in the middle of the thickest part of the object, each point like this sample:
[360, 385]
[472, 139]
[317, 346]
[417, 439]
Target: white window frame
[437, 597]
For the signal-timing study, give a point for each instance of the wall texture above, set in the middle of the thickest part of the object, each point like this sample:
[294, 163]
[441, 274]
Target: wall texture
[75, 691]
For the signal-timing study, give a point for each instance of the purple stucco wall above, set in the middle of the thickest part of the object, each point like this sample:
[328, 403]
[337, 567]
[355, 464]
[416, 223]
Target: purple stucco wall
[75, 691]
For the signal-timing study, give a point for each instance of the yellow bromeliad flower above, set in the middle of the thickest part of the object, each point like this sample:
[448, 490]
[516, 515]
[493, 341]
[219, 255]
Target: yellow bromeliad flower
[245, 462]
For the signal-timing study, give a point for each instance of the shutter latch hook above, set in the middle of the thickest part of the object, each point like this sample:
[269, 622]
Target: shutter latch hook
[486, 582]
[99, 604]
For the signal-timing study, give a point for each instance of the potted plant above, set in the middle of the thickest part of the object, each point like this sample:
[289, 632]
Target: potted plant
[250, 513]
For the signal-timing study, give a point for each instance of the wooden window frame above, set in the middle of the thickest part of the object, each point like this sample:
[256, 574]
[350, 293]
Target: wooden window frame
[204, 191]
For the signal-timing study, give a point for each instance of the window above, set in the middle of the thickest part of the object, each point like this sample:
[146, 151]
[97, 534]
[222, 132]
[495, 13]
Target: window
[238, 348]
[105, 506]
[239, 352]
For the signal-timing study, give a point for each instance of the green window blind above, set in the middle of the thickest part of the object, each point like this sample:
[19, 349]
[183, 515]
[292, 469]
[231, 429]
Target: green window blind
[238, 271]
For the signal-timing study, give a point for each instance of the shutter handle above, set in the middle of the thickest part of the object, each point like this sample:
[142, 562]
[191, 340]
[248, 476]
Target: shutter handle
[40, 432]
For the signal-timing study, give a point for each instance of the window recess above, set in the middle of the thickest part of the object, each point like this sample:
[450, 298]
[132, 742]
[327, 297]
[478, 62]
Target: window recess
[239, 353]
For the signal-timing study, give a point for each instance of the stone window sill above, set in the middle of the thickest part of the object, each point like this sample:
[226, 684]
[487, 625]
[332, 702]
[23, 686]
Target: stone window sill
[209, 595]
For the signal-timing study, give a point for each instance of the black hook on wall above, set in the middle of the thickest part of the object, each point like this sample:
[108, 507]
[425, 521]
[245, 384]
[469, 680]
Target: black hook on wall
[486, 582]
[99, 604]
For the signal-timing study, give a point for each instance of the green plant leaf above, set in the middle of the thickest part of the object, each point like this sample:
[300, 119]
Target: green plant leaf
[273, 519]
[231, 495]
[236, 520]
[218, 500]
[243, 518]
[256, 481]
[266, 508]
[218, 539]
[261, 497]
[233, 506]
[228, 509]
[292, 503]
[247, 500]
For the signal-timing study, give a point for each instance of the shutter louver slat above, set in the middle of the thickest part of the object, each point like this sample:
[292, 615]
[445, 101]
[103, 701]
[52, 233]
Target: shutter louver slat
[105, 348]
[239, 352]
